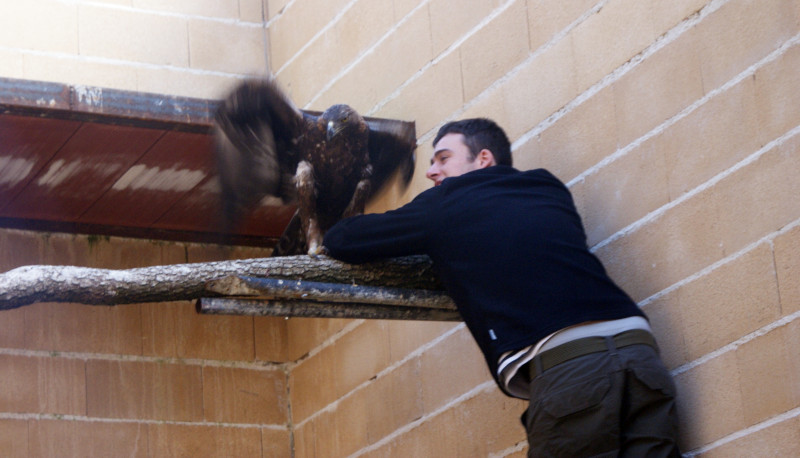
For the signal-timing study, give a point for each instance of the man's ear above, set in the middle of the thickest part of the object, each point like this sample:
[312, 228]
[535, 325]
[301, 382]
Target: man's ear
[485, 159]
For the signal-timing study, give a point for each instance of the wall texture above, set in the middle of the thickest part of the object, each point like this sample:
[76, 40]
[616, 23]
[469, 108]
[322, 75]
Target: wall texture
[675, 124]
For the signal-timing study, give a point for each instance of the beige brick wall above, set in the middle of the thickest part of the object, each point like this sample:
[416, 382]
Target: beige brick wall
[675, 124]
[136, 380]
[192, 48]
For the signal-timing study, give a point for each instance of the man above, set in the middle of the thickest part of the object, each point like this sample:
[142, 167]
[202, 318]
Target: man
[554, 328]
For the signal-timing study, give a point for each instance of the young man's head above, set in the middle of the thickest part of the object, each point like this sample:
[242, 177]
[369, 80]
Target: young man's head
[466, 145]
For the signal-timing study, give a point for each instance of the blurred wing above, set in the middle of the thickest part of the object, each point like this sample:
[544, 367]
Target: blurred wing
[293, 240]
[391, 149]
[254, 129]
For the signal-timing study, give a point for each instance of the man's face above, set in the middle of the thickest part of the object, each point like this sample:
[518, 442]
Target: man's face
[451, 158]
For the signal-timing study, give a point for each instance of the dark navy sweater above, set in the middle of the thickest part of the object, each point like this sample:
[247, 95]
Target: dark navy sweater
[509, 247]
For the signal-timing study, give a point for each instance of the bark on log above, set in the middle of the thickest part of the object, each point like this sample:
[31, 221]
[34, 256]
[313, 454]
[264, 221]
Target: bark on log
[31, 284]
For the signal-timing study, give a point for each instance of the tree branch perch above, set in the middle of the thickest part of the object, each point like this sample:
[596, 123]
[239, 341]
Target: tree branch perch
[31, 284]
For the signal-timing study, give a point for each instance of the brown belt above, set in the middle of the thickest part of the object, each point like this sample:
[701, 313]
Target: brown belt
[587, 345]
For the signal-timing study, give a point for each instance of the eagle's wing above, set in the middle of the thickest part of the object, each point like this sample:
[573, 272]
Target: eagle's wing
[391, 149]
[255, 128]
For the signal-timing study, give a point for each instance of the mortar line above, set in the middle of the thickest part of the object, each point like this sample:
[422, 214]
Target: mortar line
[143, 421]
[748, 72]
[769, 238]
[317, 35]
[441, 56]
[484, 387]
[358, 59]
[255, 365]
[788, 415]
[736, 343]
[384, 372]
[157, 12]
[657, 213]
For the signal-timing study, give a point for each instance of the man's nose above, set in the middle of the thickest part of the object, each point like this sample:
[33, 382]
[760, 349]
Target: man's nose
[433, 172]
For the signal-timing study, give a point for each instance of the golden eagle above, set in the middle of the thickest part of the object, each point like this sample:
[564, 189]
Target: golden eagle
[329, 164]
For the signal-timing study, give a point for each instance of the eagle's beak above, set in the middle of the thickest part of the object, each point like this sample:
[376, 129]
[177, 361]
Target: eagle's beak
[332, 130]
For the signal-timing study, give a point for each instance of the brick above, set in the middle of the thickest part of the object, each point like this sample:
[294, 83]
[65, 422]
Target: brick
[304, 435]
[360, 355]
[667, 249]
[733, 300]
[175, 330]
[776, 99]
[657, 89]
[439, 83]
[450, 369]
[271, 339]
[766, 397]
[745, 216]
[639, 187]
[83, 438]
[664, 314]
[739, 34]
[630, 22]
[667, 15]
[226, 47]
[72, 70]
[709, 401]
[133, 36]
[19, 379]
[407, 336]
[61, 386]
[711, 139]
[546, 19]
[274, 7]
[179, 82]
[20, 248]
[787, 264]
[124, 253]
[68, 249]
[276, 443]
[312, 384]
[395, 398]
[298, 24]
[526, 103]
[780, 439]
[391, 60]
[436, 436]
[312, 70]
[194, 440]
[577, 141]
[448, 24]
[11, 63]
[14, 438]
[240, 395]
[252, 11]
[305, 334]
[12, 328]
[84, 328]
[213, 8]
[491, 421]
[144, 390]
[342, 431]
[25, 22]
[494, 50]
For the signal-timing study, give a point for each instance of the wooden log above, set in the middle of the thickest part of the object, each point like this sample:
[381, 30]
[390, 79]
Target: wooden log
[271, 288]
[312, 309]
[31, 284]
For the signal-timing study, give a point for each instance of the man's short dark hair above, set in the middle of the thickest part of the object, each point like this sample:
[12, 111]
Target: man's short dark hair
[480, 134]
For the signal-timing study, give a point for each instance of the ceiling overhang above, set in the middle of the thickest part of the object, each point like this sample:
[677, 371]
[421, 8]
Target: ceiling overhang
[90, 160]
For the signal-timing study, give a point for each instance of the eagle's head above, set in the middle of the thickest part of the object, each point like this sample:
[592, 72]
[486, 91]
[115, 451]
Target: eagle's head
[342, 119]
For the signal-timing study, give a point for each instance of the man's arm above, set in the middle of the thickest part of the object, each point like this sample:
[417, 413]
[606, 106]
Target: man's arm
[401, 232]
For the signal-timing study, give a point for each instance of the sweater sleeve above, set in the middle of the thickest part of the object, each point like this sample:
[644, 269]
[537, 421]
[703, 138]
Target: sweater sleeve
[401, 232]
